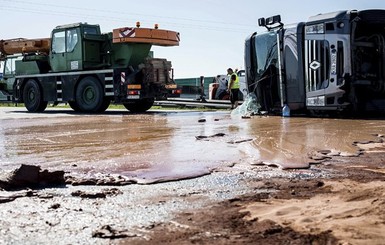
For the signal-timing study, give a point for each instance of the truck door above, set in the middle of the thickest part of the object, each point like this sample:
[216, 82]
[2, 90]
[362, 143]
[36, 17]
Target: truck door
[317, 65]
[9, 73]
[66, 50]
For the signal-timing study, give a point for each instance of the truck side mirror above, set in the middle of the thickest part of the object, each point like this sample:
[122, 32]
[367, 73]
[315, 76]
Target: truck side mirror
[261, 22]
[270, 23]
[273, 20]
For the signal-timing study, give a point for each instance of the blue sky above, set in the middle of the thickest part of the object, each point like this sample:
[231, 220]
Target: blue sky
[212, 31]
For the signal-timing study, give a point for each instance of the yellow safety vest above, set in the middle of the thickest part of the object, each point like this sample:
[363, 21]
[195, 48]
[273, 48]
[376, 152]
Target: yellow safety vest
[235, 84]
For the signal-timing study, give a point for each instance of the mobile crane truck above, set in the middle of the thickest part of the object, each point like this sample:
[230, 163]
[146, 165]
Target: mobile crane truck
[332, 62]
[88, 69]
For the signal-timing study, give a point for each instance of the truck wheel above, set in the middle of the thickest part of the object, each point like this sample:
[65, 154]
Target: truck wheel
[105, 105]
[33, 97]
[74, 106]
[139, 106]
[89, 95]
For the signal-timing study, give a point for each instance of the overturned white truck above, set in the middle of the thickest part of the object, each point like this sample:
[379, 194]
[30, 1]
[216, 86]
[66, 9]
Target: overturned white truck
[332, 62]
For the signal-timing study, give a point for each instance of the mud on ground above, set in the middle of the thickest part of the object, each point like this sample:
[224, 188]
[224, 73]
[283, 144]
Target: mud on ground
[344, 208]
[337, 201]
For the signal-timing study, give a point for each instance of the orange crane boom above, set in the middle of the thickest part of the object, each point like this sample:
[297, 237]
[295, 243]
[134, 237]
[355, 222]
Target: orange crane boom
[120, 35]
[22, 45]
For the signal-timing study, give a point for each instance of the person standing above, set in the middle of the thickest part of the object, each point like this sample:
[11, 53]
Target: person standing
[233, 87]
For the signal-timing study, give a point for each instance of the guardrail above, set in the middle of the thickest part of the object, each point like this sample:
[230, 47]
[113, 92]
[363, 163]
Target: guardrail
[175, 102]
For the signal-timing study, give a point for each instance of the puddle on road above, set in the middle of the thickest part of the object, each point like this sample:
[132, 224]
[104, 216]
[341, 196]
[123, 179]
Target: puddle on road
[146, 146]
[163, 146]
[287, 142]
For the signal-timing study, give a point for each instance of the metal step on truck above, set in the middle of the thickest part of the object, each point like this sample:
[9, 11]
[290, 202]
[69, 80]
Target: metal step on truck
[88, 69]
[332, 62]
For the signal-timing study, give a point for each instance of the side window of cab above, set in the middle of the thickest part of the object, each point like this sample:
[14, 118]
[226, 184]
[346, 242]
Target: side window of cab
[10, 67]
[58, 42]
[72, 39]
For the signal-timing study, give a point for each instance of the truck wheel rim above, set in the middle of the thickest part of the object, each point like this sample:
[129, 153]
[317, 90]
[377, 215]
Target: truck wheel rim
[31, 95]
[89, 95]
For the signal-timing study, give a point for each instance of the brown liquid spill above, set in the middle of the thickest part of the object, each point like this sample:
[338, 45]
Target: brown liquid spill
[164, 146]
[288, 141]
[161, 146]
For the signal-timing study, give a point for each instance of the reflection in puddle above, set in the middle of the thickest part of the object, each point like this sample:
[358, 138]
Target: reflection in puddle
[143, 145]
[165, 145]
[288, 141]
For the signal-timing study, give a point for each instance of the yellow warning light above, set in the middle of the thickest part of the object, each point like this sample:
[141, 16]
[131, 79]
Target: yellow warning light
[156, 26]
[138, 24]
[171, 86]
[134, 86]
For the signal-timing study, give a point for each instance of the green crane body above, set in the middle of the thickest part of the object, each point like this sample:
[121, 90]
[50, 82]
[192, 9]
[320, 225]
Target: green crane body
[88, 69]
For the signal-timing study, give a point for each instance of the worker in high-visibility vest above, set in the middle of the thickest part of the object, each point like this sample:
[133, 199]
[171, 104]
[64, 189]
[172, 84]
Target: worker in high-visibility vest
[233, 87]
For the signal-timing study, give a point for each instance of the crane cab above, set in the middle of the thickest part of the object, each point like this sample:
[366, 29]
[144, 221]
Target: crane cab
[76, 47]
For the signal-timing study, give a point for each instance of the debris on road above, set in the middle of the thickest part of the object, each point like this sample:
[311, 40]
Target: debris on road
[31, 176]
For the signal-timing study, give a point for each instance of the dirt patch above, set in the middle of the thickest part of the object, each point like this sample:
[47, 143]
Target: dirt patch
[346, 208]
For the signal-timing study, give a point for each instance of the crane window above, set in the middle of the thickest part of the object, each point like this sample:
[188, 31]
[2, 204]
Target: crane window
[9, 66]
[72, 39]
[58, 42]
[90, 30]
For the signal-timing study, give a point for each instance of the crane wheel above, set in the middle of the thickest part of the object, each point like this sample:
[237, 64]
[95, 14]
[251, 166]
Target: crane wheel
[33, 97]
[89, 95]
[74, 106]
[139, 106]
[105, 105]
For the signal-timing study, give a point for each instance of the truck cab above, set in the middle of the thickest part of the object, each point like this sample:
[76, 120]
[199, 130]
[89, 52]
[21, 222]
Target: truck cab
[332, 62]
[7, 78]
[76, 47]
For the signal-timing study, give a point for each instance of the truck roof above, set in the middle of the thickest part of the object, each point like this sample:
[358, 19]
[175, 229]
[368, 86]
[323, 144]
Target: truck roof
[333, 15]
[74, 25]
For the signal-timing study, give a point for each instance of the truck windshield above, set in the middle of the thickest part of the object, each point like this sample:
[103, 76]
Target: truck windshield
[265, 53]
[58, 42]
[9, 66]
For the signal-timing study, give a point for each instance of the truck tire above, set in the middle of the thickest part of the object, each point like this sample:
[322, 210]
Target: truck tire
[139, 106]
[89, 95]
[33, 97]
[105, 105]
[74, 106]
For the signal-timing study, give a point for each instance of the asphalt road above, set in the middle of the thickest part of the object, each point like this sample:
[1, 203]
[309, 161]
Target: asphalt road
[181, 161]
